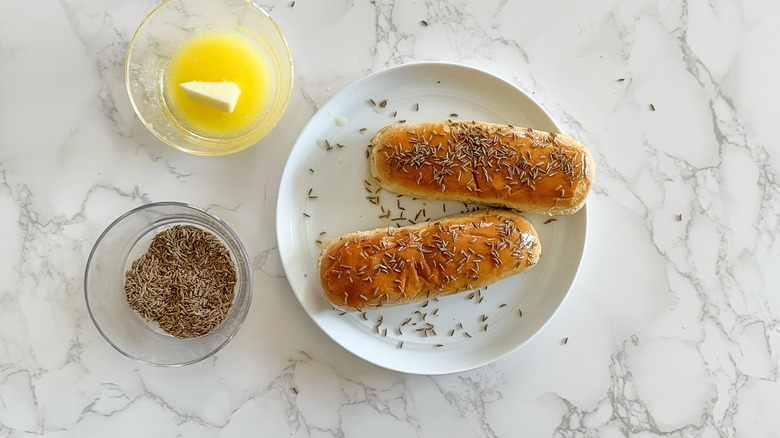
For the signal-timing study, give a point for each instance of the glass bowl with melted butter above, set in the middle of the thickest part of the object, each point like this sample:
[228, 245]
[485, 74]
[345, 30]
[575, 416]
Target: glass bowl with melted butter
[209, 77]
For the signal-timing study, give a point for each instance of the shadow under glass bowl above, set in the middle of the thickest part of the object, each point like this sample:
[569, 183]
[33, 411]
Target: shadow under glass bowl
[164, 30]
[124, 241]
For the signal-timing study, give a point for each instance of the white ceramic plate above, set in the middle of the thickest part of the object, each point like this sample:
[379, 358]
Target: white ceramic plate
[324, 193]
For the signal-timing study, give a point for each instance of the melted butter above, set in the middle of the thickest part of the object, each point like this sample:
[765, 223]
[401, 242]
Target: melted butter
[217, 55]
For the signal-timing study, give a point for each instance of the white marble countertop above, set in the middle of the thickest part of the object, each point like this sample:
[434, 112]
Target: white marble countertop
[672, 323]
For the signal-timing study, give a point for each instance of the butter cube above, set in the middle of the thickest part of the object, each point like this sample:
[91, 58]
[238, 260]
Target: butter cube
[219, 95]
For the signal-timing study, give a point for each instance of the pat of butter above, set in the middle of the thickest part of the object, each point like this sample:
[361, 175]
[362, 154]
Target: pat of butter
[219, 95]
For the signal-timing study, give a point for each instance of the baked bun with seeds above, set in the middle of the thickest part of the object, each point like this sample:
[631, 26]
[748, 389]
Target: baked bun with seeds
[484, 163]
[394, 266]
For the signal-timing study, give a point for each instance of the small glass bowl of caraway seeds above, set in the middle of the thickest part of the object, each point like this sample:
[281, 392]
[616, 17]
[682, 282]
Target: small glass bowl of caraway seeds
[168, 284]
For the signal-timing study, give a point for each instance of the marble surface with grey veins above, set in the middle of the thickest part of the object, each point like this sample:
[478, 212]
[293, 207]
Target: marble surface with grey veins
[671, 324]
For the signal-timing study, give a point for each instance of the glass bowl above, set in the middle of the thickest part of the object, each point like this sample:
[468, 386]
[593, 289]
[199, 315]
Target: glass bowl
[164, 30]
[124, 241]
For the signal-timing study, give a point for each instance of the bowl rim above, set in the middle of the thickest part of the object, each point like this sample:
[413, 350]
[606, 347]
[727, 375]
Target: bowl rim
[243, 257]
[285, 100]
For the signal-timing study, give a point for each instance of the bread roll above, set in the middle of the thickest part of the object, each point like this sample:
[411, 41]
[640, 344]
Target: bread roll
[484, 163]
[394, 266]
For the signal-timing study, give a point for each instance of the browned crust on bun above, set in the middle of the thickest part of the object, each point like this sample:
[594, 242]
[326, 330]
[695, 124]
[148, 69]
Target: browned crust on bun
[484, 163]
[394, 266]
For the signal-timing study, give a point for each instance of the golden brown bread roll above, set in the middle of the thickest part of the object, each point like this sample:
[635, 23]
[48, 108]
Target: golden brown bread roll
[484, 163]
[393, 266]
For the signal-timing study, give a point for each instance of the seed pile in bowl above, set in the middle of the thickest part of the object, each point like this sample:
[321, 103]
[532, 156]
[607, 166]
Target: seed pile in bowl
[184, 282]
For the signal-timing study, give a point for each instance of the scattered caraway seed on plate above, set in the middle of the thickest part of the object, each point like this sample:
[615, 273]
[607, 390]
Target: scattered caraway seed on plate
[424, 23]
[552, 219]
[565, 341]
